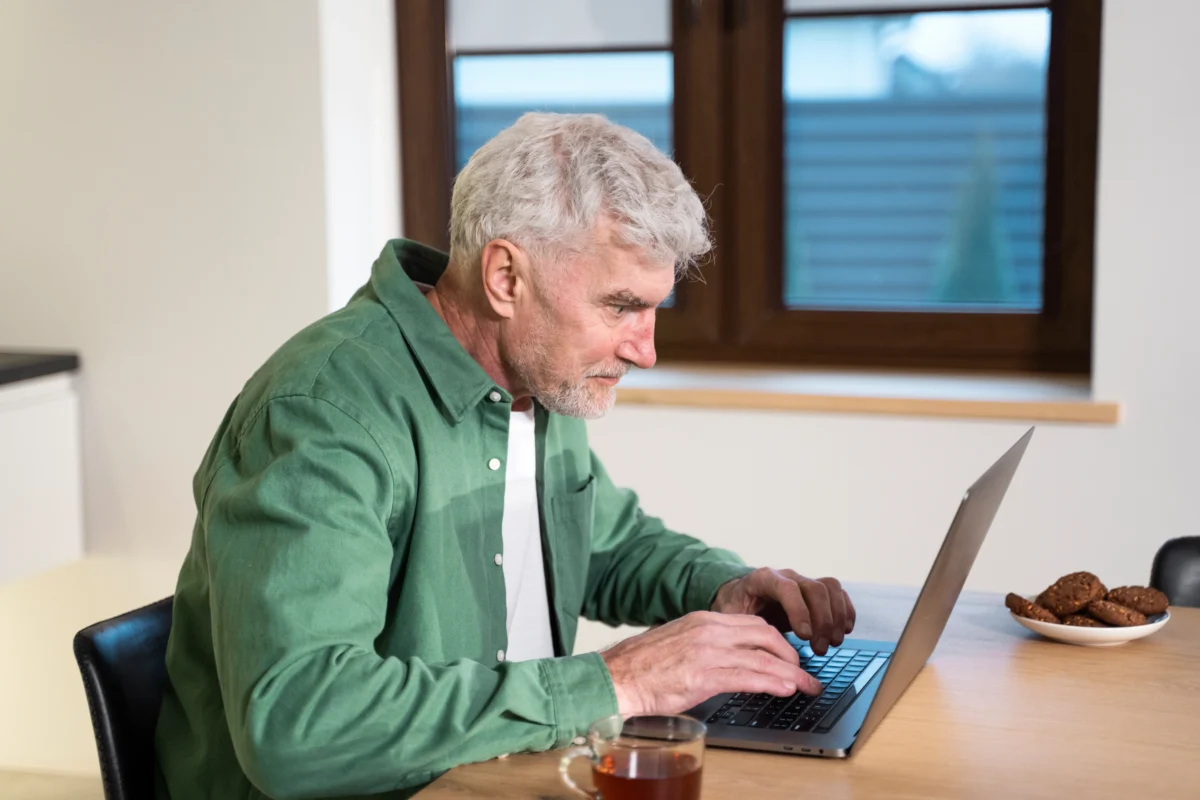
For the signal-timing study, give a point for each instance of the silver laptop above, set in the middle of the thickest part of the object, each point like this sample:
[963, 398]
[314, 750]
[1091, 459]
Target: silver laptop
[863, 679]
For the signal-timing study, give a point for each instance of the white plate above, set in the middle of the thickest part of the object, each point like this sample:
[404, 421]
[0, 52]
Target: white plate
[1092, 637]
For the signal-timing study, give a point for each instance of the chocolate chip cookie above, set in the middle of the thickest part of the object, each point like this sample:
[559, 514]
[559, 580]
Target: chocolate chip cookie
[1082, 621]
[1023, 608]
[1114, 614]
[1071, 593]
[1140, 598]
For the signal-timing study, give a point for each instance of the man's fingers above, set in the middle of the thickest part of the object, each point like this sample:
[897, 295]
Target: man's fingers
[787, 593]
[736, 679]
[763, 663]
[765, 637]
[837, 609]
[851, 614]
[816, 596]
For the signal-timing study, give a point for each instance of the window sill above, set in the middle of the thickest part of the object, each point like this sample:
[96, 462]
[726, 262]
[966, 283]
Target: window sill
[1051, 398]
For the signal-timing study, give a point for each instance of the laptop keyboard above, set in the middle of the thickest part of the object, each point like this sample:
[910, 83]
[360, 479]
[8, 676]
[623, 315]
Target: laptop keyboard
[837, 670]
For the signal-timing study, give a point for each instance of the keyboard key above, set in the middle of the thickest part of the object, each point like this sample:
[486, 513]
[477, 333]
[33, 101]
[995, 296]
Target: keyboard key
[847, 653]
[741, 697]
[742, 718]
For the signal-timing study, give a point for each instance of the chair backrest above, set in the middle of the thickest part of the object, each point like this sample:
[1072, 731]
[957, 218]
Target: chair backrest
[123, 662]
[1176, 571]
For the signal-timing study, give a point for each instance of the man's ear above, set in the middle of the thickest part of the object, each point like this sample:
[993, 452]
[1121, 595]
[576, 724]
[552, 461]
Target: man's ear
[505, 270]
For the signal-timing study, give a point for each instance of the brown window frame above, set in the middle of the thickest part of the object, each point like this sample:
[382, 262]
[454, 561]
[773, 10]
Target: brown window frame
[728, 58]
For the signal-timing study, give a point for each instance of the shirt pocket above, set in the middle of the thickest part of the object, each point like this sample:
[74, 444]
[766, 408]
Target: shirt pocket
[569, 537]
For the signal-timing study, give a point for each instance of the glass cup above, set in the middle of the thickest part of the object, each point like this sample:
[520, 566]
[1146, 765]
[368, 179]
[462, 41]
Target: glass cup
[641, 758]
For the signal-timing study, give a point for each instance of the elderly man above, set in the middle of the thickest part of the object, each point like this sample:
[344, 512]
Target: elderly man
[399, 520]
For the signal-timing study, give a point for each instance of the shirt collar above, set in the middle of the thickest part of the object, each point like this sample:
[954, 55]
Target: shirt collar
[455, 378]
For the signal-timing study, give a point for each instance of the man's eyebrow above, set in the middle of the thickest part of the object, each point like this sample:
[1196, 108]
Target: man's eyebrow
[624, 297]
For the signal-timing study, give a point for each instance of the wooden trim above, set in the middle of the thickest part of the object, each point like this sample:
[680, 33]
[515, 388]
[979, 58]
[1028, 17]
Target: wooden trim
[426, 121]
[1082, 412]
[1060, 398]
[1058, 339]
[915, 9]
[697, 42]
[563, 51]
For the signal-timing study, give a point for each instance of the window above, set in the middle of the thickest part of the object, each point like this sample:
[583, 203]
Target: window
[891, 182]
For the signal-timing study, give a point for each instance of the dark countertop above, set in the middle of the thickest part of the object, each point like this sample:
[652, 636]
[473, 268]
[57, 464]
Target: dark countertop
[23, 366]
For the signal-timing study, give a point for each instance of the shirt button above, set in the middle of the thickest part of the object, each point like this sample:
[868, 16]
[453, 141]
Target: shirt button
[579, 740]
[494, 396]
[494, 464]
[499, 655]
[499, 559]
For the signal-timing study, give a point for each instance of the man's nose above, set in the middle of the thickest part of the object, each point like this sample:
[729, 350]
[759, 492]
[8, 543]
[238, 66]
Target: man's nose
[639, 348]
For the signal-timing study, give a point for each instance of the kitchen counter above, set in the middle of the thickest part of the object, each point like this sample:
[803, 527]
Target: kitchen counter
[17, 366]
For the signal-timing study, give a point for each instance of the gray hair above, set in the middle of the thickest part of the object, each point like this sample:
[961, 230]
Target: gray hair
[548, 180]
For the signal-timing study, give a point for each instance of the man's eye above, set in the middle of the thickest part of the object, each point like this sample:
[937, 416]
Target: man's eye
[620, 310]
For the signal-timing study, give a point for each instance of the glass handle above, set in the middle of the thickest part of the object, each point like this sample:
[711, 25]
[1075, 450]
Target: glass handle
[565, 765]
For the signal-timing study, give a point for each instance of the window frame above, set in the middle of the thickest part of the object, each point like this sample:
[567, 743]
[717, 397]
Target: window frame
[722, 51]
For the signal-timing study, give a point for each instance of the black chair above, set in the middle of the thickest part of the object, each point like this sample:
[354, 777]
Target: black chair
[123, 662]
[1176, 571]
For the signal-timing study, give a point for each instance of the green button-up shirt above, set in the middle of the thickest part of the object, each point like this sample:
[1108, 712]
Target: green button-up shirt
[339, 622]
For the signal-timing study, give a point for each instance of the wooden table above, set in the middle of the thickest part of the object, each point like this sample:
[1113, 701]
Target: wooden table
[997, 713]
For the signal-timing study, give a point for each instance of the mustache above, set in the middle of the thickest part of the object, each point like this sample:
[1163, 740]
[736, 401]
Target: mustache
[612, 372]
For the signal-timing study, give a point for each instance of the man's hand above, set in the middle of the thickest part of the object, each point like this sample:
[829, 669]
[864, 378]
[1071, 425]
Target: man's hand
[818, 611]
[681, 664]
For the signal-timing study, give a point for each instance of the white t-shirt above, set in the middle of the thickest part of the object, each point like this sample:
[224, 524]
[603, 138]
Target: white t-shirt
[528, 622]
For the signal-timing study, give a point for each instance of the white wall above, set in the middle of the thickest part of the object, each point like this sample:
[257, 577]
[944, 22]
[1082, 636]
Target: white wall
[361, 127]
[162, 211]
[869, 499]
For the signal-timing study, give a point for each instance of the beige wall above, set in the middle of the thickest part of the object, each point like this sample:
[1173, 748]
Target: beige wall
[165, 210]
[162, 212]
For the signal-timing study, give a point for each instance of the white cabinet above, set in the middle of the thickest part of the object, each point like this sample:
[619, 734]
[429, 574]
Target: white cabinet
[41, 491]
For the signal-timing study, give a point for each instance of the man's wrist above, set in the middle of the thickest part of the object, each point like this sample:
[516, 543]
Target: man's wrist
[709, 578]
[628, 702]
[722, 593]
